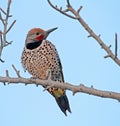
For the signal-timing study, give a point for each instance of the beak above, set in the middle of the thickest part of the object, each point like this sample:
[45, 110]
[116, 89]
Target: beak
[49, 31]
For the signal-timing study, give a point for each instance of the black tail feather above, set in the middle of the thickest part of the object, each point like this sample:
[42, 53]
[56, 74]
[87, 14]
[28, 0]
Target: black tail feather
[63, 103]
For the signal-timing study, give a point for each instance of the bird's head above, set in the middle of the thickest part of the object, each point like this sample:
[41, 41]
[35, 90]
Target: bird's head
[35, 37]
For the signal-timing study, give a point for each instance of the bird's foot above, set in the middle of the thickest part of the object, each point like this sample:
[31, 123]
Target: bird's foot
[34, 78]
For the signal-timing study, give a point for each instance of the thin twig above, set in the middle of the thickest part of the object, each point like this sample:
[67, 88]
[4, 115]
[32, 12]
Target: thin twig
[2, 20]
[63, 12]
[10, 26]
[116, 45]
[80, 8]
[6, 21]
[17, 71]
[3, 11]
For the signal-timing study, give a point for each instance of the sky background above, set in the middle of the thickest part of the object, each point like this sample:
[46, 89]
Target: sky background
[82, 61]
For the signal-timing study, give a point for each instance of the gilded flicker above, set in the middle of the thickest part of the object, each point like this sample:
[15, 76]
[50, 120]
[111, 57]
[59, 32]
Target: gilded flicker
[40, 56]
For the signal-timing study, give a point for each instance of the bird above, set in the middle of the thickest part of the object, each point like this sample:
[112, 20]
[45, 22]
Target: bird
[40, 58]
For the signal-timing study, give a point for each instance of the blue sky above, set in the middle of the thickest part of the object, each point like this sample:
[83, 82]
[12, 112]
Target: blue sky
[82, 60]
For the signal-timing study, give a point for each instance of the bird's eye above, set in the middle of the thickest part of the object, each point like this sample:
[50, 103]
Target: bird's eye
[37, 33]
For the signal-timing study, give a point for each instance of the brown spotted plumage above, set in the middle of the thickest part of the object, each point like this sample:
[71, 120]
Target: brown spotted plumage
[39, 58]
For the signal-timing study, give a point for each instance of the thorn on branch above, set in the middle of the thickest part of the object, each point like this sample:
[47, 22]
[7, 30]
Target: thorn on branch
[80, 8]
[107, 56]
[109, 46]
[37, 85]
[2, 60]
[99, 35]
[9, 15]
[61, 8]
[75, 90]
[89, 36]
[4, 83]
[7, 74]
[73, 93]
[91, 86]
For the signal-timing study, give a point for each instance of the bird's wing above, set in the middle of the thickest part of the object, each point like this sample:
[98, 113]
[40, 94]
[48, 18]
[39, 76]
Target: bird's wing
[57, 72]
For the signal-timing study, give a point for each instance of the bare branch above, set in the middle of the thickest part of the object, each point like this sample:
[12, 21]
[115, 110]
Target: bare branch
[59, 10]
[3, 38]
[74, 88]
[88, 29]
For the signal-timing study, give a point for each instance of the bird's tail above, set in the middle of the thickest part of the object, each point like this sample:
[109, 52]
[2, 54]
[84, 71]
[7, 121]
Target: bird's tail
[63, 103]
[61, 98]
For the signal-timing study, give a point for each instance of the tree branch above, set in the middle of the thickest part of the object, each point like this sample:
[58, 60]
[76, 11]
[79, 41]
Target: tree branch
[60, 10]
[50, 83]
[4, 19]
[67, 86]
[87, 28]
